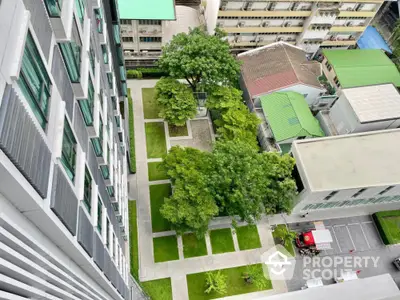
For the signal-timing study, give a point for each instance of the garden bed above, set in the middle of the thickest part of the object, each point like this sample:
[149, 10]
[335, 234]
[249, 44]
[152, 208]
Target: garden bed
[221, 241]
[158, 289]
[156, 172]
[388, 224]
[150, 107]
[193, 247]
[289, 248]
[175, 131]
[157, 194]
[133, 237]
[248, 237]
[155, 140]
[165, 248]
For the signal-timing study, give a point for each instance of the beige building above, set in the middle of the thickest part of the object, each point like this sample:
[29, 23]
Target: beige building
[308, 24]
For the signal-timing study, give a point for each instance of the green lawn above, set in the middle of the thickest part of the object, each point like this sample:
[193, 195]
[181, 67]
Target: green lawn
[159, 289]
[193, 247]
[289, 248]
[248, 237]
[150, 107]
[157, 194]
[235, 283]
[155, 140]
[177, 130]
[388, 224]
[165, 248]
[133, 237]
[155, 172]
[132, 156]
[221, 241]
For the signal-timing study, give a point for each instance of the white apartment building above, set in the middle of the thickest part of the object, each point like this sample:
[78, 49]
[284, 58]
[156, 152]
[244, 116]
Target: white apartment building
[63, 166]
[348, 171]
[307, 24]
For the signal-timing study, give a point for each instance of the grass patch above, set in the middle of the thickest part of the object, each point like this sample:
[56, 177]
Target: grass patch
[192, 247]
[165, 248]
[235, 282]
[248, 237]
[157, 194]
[156, 172]
[155, 140]
[177, 130]
[289, 248]
[150, 107]
[159, 289]
[388, 224]
[133, 237]
[221, 241]
[132, 155]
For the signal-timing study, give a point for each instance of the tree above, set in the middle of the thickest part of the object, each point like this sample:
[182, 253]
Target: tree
[254, 275]
[285, 235]
[200, 58]
[191, 206]
[247, 183]
[234, 120]
[215, 282]
[176, 101]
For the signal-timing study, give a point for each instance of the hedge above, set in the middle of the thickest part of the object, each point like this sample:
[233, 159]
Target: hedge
[132, 165]
[390, 234]
[146, 73]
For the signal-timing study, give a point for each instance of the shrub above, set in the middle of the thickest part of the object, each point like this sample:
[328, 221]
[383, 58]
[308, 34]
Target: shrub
[134, 74]
[132, 165]
[215, 282]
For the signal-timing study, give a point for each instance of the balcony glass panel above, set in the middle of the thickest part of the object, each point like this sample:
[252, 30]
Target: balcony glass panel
[87, 191]
[117, 37]
[53, 7]
[80, 8]
[71, 52]
[105, 53]
[122, 73]
[68, 154]
[99, 20]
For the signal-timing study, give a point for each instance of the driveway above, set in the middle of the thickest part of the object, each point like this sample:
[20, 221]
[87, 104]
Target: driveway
[356, 246]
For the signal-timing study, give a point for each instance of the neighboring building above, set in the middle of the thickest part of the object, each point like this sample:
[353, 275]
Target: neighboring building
[279, 67]
[353, 68]
[372, 39]
[308, 24]
[286, 117]
[363, 109]
[380, 287]
[347, 170]
[63, 166]
[146, 28]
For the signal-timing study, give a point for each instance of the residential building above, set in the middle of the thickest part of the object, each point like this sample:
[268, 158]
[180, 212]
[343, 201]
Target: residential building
[146, 28]
[285, 117]
[63, 169]
[347, 171]
[279, 67]
[353, 68]
[308, 24]
[362, 109]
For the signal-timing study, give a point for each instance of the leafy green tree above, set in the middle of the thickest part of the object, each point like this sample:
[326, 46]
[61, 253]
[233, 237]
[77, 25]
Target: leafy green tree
[247, 183]
[191, 205]
[285, 235]
[176, 101]
[216, 282]
[254, 275]
[200, 58]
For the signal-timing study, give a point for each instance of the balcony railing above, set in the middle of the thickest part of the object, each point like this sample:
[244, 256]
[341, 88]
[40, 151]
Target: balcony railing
[53, 8]
[117, 36]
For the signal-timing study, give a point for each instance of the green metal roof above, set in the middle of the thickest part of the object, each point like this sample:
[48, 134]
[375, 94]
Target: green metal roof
[362, 67]
[147, 9]
[289, 117]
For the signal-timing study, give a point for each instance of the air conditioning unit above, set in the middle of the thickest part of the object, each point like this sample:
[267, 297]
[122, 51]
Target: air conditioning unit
[260, 39]
[287, 24]
[279, 39]
[300, 24]
[240, 24]
[238, 38]
[272, 6]
[223, 7]
[220, 24]
[265, 24]
[349, 23]
[349, 9]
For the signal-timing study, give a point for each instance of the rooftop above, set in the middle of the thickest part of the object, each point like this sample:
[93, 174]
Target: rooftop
[372, 39]
[349, 161]
[374, 102]
[147, 9]
[277, 66]
[289, 116]
[362, 67]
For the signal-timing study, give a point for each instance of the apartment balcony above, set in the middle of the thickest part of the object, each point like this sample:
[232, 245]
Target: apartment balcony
[262, 13]
[291, 29]
[339, 42]
[150, 30]
[348, 28]
[361, 14]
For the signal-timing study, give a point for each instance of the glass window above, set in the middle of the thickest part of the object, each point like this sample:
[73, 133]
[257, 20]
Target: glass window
[117, 121]
[150, 39]
[87, 191]
[53, 7]
[99, 214]
[127, 39]
[105, 53]
[105, 171]
[107, 232]
[98, 142]
[71, 52]
[99, 20]
[80, 8]
[117, 37]
[92, 57]
[114, 102]
[87, 105]
[108, 154]
[110, 80]
[110, 191]
[68, 155]
[122, 73]
[34, 81]
[331, 195]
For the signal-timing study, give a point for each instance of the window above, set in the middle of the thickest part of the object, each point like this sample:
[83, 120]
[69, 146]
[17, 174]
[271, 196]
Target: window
[149, 22]
[127, 39]
[331, 195]
[87, 105]
[92, 57]
[107, 233]
[110, 80]
[358, 193]
[336, 80]
[99, 214]
[110, 191]
[34, 81]
[114, 102]
[71, 52]
[80, 8]
[98, 142]
[99, 20]
[386, 190]
[328, 66]
[126, 22]
[68, 154]
[108, 154]
[105, 53]
[114, 245]
[53, 7]
[150, 39]
[117, 121]
[87, 191]
[105, 172]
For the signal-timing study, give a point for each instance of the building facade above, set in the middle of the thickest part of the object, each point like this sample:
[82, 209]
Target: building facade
[63, 163]
[308, 24]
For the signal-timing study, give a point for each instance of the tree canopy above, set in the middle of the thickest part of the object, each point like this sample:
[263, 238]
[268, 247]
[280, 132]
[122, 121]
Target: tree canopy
[200, 58]
[175, 100]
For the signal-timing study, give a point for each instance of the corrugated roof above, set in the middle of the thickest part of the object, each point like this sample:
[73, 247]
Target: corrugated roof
[146, 9]
[289, 117]
[372, 39]
[277, 66]
[362, 67]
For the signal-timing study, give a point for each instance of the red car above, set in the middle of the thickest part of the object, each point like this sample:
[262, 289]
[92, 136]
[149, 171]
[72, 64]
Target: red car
[320, 239]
